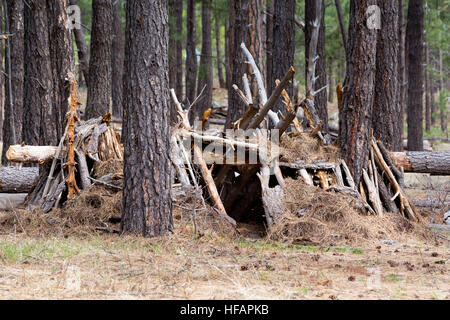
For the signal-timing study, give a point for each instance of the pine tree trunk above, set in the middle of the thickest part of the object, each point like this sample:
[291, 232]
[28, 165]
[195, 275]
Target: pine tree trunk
[320, 100]
[205, 72]
[147, 202]
[414, 35]
[269, 45]
[428, 93]
[401, 68]
[172, 46]
[247, 30]
[219, 53]
[15, 14]
[356, 112]
[342, 26]
[386, 108]
[117, 61]
[283, 45]
[191, 55]
[63, 64]
[99, 89]
[40, 116]
[230, 53]
[179, 48]
[331, 83]
[82, 50]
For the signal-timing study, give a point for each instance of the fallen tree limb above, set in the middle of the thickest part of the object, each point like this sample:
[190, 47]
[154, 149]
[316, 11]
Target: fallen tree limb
[437, 163]
[14, 180]
[31, 154]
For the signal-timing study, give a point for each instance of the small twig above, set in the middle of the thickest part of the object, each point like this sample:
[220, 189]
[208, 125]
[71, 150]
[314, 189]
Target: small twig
[105, 183]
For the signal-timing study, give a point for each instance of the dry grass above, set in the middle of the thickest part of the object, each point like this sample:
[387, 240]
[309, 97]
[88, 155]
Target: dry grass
[306, 148]
[333, 218]
[213, 267]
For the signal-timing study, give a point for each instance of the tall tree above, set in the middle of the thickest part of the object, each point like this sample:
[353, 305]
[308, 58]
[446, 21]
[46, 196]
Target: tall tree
[117, 60]
[428, 91]
[386, 108]
[61, 54]
[99, 89]
[414, 35]
[2, 76]
[147, 203]
[320, 100]
[82, 48]
[342, 25]
[247, 30]
[283, 44]
[40, 117]
[219, 47]
[401, 67]
[191, 54]
[179, 47]
[14, 62]
[269, 44]
[205, 72]
[172, 45]
[356, 112]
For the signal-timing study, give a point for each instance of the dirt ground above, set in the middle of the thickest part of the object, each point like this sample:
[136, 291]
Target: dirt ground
[212, 267]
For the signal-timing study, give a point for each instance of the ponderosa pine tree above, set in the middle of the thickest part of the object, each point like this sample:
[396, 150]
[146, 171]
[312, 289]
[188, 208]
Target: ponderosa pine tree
[205, 71]
[356, 112]
[414, 35]
[99, 88]
[320, 100]
[191, 54]
[283, 47]
[117, 60]
[386, 108]
[14, 98]
[147, 201]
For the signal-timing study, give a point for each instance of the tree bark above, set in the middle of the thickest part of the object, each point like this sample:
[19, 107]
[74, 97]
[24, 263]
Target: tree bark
[219, 52]
[13, 180]
[414, 35]
[320, 100]
[247, 30]
[179, 47]
[331, 82]
[401, 67]
[386, 109]
[99, 89]
[63, 64]
[356, 112]
[147, 203]
[205, 72]
[40, 116]
[117, 61]
[82, 49]
[428, 93]
[423, 162]
[172, 45]
[342, 26]
[269, 45]
[191, 55]
[283, 45]
[15, 14]
[2, 78]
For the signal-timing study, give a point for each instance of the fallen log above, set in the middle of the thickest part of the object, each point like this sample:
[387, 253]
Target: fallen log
[422, 203]
[14, 180]
[437, 163]
[9, 201]
[30, 154]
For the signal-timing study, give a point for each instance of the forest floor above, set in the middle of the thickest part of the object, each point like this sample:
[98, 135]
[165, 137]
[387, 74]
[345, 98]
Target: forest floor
[180, 267]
